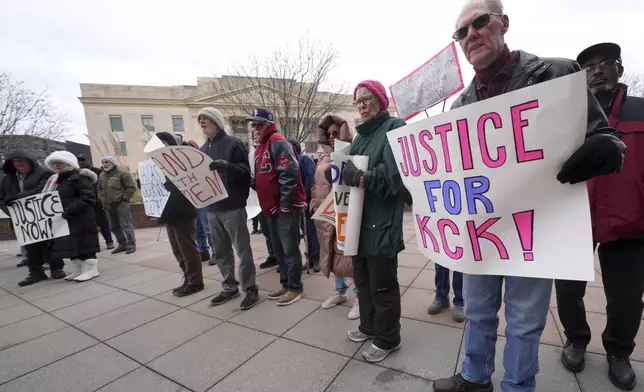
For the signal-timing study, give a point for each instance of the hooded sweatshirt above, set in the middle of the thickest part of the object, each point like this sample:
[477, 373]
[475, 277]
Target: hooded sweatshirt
[178, 208]
[32, 183]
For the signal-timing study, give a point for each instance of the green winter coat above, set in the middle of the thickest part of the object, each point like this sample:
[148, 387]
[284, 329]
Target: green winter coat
[381, 232]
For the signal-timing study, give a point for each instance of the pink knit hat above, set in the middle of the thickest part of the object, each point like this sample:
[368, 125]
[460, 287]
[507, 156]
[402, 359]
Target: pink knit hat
[377, 89]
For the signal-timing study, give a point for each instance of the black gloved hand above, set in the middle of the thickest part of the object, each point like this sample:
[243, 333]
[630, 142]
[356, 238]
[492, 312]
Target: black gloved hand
[599, 155]
[327, 175]
[351, 175]
[219, 165]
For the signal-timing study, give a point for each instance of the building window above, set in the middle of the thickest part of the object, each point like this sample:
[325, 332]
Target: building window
[240, 125]
[177, 124]
[123, 151]
[148, 123]
[116, 123]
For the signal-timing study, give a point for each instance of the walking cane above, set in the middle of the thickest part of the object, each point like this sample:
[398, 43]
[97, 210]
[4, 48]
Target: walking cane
[306, 241]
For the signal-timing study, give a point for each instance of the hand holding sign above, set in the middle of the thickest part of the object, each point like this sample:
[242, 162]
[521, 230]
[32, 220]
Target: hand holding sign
[189, 169]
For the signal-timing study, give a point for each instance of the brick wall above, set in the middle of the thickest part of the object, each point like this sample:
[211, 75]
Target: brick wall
[138, 217]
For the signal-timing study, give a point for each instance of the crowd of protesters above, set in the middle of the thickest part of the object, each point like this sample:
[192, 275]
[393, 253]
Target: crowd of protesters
[291, 186]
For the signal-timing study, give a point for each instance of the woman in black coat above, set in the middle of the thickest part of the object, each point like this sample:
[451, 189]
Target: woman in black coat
[76, 189]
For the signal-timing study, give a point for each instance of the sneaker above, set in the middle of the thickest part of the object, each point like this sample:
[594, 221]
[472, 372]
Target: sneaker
[109, 245]
[22, 263]
[270, 262]
[354, 313]
[289, 297]
[251, 299]
[277, 293]
[437, 306]
[458, 384]
[620, 372]
[224, 297]
[458, 314]
[572, 357]
[32, 278]
[356, 336]
[188, 290]
[375, 354]
[334, 300]
[205, 255]
[131, 250]
[58, 274]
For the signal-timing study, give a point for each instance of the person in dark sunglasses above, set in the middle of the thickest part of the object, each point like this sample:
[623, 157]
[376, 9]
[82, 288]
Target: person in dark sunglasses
[480, 31]
[617, 207]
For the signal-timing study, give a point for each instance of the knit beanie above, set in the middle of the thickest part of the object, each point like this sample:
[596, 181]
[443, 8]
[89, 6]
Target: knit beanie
[215, 116]
[65, 157]
[377, 89]
[109, 159]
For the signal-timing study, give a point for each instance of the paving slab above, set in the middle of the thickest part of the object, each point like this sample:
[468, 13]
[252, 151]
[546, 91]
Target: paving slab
[205, 360]
[273, 319]
[360, 377]
[47, 288]
[158, 286]
[594, 378]
[414, 303]
[26, 357]
[413, 260]
[69, 298]
[119, 321]
[16, 333]
[406, 275]
[18, 313]
[211, 288]
[326, 329]
[8, 300]
[94, 307]
[85, 371]
[142, 380]
[137, 278]
[113, 273]
[284, 366]
[151, 340]
[227, 310]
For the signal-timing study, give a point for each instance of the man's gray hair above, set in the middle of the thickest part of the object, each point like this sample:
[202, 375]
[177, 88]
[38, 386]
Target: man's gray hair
[495, 6]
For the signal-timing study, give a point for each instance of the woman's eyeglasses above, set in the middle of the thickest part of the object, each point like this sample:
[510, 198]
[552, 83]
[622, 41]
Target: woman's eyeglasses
[365, 101]
[477, 24]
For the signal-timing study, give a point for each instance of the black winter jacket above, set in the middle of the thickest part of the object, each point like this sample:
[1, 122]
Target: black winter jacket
[33, 183]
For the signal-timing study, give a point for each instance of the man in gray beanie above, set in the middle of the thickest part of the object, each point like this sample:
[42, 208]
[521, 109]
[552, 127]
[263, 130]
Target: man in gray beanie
[227, 218]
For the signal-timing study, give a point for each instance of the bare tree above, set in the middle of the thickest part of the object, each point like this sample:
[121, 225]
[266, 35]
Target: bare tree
[635, 83]
[109, 144]
[287, 82]
[25, 112]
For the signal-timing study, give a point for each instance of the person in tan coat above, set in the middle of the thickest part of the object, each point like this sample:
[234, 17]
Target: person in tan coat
[331, 258]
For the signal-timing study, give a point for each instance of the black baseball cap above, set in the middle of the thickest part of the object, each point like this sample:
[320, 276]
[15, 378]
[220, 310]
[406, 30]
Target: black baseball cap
[262, 115]
[607, 49]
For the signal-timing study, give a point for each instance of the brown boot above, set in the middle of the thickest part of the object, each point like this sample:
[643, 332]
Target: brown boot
[277, 293]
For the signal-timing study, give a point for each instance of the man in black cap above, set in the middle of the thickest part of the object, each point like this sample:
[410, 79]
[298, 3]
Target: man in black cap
[85, 162]
[617, 211]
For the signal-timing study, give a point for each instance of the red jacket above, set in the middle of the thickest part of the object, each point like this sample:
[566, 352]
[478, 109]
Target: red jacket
[617, 200]
[277, 174]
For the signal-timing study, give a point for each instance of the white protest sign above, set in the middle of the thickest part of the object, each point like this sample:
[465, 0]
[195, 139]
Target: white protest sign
[154, 194]
[188, 169]
[348, 200]
[38, 218]
[483, 180]
[153, 144]
[436, 80]
[252, 203]
[326, 210]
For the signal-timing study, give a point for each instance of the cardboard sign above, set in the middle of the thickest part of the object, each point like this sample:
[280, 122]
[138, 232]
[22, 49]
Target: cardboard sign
[154, 194]
[436, 80]
[38, 218]
[188, 169]
[483, 181]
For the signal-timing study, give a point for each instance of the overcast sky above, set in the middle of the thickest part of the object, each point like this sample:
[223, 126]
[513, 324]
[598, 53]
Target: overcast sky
[59, 44]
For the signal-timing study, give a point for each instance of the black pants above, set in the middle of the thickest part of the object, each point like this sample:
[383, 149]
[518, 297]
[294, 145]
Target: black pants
[38, 254]
[255, 223]
[622, 268]
[106, 231]
[379, 299]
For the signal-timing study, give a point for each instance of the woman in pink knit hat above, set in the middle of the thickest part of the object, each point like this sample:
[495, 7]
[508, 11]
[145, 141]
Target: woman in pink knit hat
[381, 236]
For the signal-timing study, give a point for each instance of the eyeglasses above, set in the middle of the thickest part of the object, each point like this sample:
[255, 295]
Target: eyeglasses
[477, 24]
[365, 101]
[608, 63]
[256, 124]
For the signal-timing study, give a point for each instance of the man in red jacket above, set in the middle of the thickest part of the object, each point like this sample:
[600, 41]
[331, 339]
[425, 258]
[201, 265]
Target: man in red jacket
[617, 211]
[282, 198]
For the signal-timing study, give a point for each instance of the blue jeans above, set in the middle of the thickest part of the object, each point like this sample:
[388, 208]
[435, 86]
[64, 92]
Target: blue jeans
[341, 286]
[527, 301]
[285, 238]
[441, 281]
[266, 231]
[203, 231]
[311, 235]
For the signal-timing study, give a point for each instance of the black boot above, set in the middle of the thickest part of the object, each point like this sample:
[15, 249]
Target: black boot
[205, 255]
[22, 263]
[183, 284]
[270, 262]
[314, 261]
[458, 384]
[251, 299]
[33, 277]
[573, 357]
[119, 249]
[58, 274]
[620, 373]
[189, 289]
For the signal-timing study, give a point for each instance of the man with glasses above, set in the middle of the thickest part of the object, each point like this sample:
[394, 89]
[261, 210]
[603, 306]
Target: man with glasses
[282, 198]
[617, 208]
[480, 31]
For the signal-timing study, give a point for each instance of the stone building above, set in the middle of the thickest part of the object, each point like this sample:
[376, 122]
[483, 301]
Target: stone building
[121, 118]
